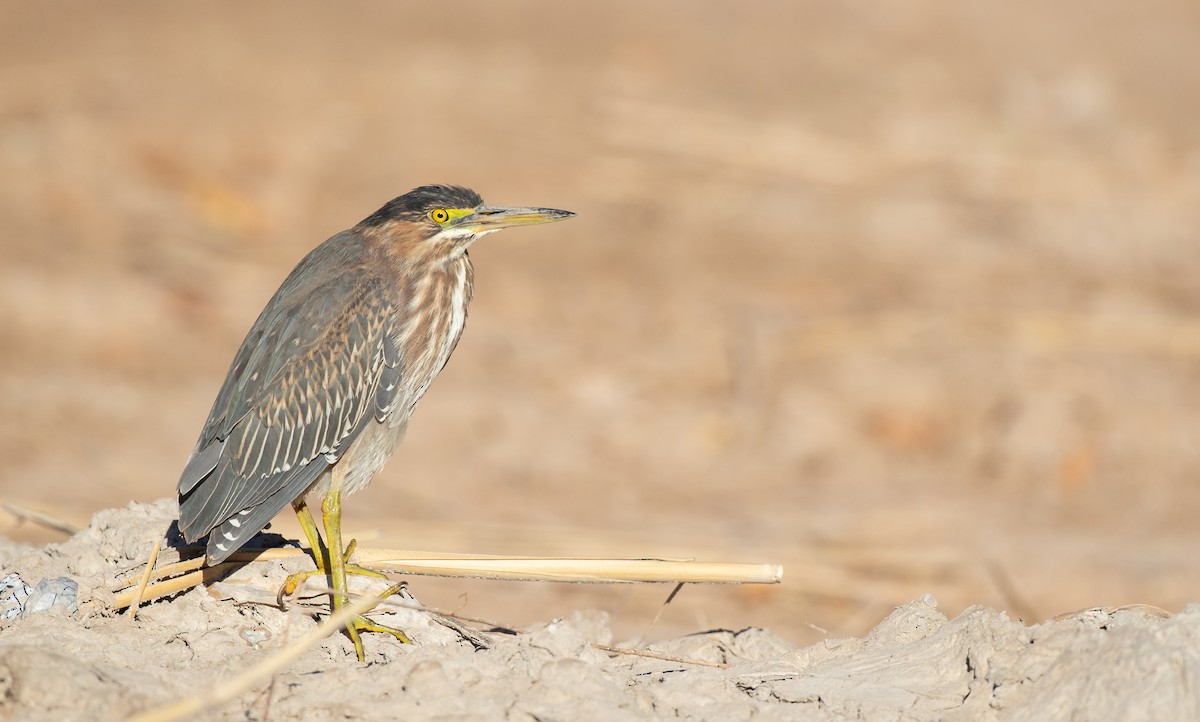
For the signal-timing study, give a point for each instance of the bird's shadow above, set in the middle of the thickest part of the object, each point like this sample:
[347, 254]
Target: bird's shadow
[260, 542]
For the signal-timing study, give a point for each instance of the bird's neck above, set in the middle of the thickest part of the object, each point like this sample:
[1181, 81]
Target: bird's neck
[432, 311]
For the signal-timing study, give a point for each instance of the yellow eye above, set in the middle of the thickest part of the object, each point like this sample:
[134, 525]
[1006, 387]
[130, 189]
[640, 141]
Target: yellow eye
[439, 215]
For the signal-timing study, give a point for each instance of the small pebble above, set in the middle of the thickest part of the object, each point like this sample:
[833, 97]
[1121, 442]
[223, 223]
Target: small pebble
[13, 594]
[255, 635]
[60, 592]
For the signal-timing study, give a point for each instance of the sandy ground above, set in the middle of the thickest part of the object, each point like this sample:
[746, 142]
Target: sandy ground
[903, 297]
[917, 664]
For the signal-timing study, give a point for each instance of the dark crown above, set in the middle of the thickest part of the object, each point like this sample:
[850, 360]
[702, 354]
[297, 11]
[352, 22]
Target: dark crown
[414, 204]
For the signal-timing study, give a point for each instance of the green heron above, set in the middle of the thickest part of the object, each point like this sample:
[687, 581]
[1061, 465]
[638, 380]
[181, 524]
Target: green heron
[322, 388]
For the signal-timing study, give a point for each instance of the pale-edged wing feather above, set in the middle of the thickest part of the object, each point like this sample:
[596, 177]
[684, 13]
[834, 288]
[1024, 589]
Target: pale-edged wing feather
[302, 385]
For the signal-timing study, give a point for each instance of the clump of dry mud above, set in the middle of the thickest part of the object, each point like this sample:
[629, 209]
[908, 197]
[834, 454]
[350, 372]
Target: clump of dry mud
[916, 664]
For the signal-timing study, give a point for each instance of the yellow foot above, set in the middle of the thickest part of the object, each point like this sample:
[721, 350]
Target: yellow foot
[362, 624]
[293, 582]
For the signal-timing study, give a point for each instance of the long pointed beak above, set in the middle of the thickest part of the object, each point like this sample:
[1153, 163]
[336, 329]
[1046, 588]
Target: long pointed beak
[493, 218]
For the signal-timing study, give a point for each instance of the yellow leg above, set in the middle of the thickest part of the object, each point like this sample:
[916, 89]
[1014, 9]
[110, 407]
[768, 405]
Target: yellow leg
[320, 555]
[310, 530]
[331, 508]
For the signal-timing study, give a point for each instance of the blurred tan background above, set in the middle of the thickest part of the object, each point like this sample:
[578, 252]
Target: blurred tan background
[905, 296]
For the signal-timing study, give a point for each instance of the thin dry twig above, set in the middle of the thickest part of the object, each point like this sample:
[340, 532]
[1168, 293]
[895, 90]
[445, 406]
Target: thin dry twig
[247, 679]
[283, 643]
[124, 598]
[1148, 609]
[24, 513]
[663, 657]
[658, 615]
[180, 567]
[141, 587]
[1008, 590]
[450, 615]
[408, 601]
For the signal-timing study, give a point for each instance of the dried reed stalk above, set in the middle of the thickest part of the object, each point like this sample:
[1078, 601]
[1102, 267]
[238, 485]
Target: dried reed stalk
[566, 569]
[140, 591]
[192, 572]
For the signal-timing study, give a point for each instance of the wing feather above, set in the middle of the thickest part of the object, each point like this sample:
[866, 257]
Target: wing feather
[297, 394]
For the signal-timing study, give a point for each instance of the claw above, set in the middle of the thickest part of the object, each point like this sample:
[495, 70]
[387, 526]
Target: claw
[292, 583]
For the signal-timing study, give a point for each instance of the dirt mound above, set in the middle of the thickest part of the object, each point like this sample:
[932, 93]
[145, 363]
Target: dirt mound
[916, 664]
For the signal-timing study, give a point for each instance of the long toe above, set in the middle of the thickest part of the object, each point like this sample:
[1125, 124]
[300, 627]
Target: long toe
[363, 624]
